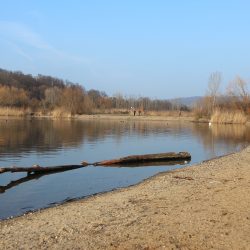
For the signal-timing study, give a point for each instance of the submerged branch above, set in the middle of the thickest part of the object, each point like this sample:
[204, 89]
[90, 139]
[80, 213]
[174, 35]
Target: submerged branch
[29, 177]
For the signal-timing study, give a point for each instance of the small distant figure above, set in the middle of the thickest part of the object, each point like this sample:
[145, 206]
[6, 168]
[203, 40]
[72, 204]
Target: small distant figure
[133, 110]
[139, 112]
[180, 113]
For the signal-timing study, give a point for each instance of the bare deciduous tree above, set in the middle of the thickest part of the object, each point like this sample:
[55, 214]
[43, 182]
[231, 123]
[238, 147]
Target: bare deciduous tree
[52, 96]
[238, 91]
[213, 88]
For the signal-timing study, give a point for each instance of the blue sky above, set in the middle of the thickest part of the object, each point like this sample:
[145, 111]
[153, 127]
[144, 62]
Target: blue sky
[160, 49]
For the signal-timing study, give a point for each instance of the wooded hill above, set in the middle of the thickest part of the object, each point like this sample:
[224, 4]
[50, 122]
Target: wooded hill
[45, 93]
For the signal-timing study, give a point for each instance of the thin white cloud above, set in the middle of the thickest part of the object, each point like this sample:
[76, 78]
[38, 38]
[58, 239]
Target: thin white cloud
[21, 52]
[18, 35]
[22, 34]
[14, 47]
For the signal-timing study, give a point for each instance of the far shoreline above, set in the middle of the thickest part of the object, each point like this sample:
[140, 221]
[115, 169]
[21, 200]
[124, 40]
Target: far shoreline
[123, 118]
[134, 118]
[114, 117]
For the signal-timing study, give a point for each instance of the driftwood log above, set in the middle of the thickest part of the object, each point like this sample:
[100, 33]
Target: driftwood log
[147, 164]
[171, 156]
[36, 169]
[139, 160]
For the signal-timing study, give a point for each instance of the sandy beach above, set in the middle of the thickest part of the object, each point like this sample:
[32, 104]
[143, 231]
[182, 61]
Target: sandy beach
[199, 207]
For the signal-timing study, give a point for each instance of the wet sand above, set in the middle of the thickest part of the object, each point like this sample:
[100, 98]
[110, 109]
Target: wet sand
[200, 207]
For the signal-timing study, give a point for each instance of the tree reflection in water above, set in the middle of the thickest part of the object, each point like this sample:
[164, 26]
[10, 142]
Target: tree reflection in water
[43, 135]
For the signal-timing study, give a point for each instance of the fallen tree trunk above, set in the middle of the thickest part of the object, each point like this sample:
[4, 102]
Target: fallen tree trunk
[36, 169]
[146, 158]
[133, 159]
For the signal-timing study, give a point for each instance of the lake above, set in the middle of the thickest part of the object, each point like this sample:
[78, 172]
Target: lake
[50, 142]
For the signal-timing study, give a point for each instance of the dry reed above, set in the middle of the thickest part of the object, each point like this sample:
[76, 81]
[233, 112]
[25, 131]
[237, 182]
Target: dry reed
[228, 117]
[60, 112]
[6, 111]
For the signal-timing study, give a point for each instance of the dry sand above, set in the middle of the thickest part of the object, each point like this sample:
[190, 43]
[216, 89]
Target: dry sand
[200, 207]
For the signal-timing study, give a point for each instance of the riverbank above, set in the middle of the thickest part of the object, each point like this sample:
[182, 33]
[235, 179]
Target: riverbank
[157, 116]
[185, 117]
[111, 117]
[200, 207]
[136, 118]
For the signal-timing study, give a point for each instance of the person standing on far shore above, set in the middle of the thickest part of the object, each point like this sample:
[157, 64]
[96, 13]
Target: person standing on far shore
[134, 110]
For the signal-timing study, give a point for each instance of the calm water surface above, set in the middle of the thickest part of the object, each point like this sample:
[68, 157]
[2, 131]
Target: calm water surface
[57, 142]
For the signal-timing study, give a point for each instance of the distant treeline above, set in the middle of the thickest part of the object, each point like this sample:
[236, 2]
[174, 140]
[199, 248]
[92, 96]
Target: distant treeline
[46, 93]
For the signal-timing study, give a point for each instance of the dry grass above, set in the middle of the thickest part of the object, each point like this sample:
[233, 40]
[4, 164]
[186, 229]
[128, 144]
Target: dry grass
[111, 111]
[5, 111]
[228, 117]
[170, 113]
[20, 112]
[60, 112]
